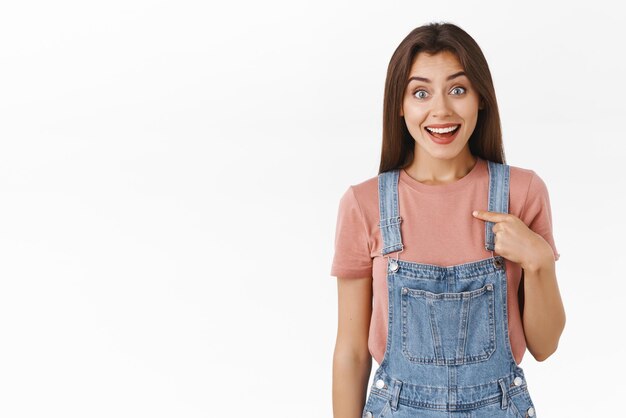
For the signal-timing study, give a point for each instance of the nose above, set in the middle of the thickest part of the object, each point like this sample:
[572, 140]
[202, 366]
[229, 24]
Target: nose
[440, 106]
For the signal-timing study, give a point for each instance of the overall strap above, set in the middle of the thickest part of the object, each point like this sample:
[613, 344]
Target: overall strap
[389, 213]
[498, 197]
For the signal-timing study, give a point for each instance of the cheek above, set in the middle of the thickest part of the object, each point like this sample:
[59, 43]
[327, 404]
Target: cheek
[413, 122]
[469, 108]
[413, 125]
[413, 114]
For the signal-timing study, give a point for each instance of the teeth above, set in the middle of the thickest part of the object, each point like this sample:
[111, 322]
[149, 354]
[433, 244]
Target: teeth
[442, 130]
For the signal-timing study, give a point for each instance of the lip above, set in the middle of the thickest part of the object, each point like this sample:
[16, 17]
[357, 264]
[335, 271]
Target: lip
[443, 141]
[441, 125]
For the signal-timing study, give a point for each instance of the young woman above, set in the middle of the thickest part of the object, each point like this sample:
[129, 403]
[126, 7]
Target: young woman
[445, 261]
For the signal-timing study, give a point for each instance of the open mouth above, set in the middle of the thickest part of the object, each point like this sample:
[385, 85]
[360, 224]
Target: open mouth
[443, 132]
[443, 135]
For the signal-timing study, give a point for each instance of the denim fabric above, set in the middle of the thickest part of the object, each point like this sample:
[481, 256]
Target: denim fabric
[448, 351]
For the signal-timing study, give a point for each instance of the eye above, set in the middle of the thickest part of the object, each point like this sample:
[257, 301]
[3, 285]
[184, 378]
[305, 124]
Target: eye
[459, 87]
[416, 94]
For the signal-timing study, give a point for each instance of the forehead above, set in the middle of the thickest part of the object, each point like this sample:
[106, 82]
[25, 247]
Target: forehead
[436, 65]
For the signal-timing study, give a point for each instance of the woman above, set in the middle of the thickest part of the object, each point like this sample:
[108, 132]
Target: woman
[445, 261]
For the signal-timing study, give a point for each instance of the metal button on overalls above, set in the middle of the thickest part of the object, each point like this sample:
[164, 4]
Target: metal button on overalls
[447, 349]
[498, 263]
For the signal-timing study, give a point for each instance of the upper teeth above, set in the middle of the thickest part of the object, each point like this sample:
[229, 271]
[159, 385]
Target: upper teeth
[443, 130]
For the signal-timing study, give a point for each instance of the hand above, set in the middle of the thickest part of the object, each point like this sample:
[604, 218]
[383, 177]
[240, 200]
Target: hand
[514, 241]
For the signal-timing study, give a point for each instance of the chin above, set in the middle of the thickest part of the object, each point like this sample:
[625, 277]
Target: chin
[442, 153]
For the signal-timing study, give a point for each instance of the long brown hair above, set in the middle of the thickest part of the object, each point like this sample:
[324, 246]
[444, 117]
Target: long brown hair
[398, 145]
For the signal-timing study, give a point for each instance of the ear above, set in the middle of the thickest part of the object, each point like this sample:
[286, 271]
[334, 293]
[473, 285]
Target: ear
[481, 105]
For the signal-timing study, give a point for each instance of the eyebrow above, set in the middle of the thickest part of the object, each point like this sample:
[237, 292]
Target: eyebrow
[450, 77]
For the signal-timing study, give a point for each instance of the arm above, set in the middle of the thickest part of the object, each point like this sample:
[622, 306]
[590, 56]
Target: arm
[352, 362]
[528, 241]
[543, 316]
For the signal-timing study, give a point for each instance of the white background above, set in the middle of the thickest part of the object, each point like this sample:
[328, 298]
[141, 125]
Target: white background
[170, 173]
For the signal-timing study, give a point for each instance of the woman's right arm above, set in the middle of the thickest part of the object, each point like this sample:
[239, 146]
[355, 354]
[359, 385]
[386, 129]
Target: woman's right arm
[352, 362]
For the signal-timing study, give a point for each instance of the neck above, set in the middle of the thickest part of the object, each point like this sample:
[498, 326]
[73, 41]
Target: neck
[434, 171]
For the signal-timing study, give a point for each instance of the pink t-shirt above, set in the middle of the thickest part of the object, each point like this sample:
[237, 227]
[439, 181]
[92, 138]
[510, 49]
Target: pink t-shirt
[437, 228]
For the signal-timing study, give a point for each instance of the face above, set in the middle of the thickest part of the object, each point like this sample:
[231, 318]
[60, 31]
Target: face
[439, 95]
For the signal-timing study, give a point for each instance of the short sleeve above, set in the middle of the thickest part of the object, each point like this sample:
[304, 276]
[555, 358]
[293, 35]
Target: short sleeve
[352, 248]
[537, 213]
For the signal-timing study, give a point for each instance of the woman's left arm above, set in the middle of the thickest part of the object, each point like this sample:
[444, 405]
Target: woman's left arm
[543, 315]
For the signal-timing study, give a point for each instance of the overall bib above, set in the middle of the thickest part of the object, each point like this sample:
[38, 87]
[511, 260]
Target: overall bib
[448, 352]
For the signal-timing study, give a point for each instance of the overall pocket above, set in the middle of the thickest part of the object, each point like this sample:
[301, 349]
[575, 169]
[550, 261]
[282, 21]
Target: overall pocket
[448, 328]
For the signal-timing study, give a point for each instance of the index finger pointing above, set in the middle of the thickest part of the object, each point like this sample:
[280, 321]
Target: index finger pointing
[490, 216]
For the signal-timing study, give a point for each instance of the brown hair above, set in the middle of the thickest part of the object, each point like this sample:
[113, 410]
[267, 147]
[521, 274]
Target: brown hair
[398, 145]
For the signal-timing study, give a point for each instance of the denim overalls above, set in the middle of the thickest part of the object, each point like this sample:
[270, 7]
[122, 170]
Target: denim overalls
[448, 352]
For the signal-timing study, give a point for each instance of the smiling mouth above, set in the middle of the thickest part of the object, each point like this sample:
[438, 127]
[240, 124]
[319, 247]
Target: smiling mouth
[443, 133]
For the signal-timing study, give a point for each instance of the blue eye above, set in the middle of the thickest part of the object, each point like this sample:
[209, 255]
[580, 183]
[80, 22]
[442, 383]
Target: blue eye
[419, 97]
[417, 92]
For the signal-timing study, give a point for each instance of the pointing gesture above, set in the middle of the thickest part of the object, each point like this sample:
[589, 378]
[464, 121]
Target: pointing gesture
[514, 241]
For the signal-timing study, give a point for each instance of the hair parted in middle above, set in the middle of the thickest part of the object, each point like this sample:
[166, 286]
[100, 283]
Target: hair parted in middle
[398, 145]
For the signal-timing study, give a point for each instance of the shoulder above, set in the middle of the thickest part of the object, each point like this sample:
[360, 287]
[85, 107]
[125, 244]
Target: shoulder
[532, 201]
[525, 185]
[521, 176]
[536, 211]
[366, 186]
[362, 192]
[526, 188]
[361, 200]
